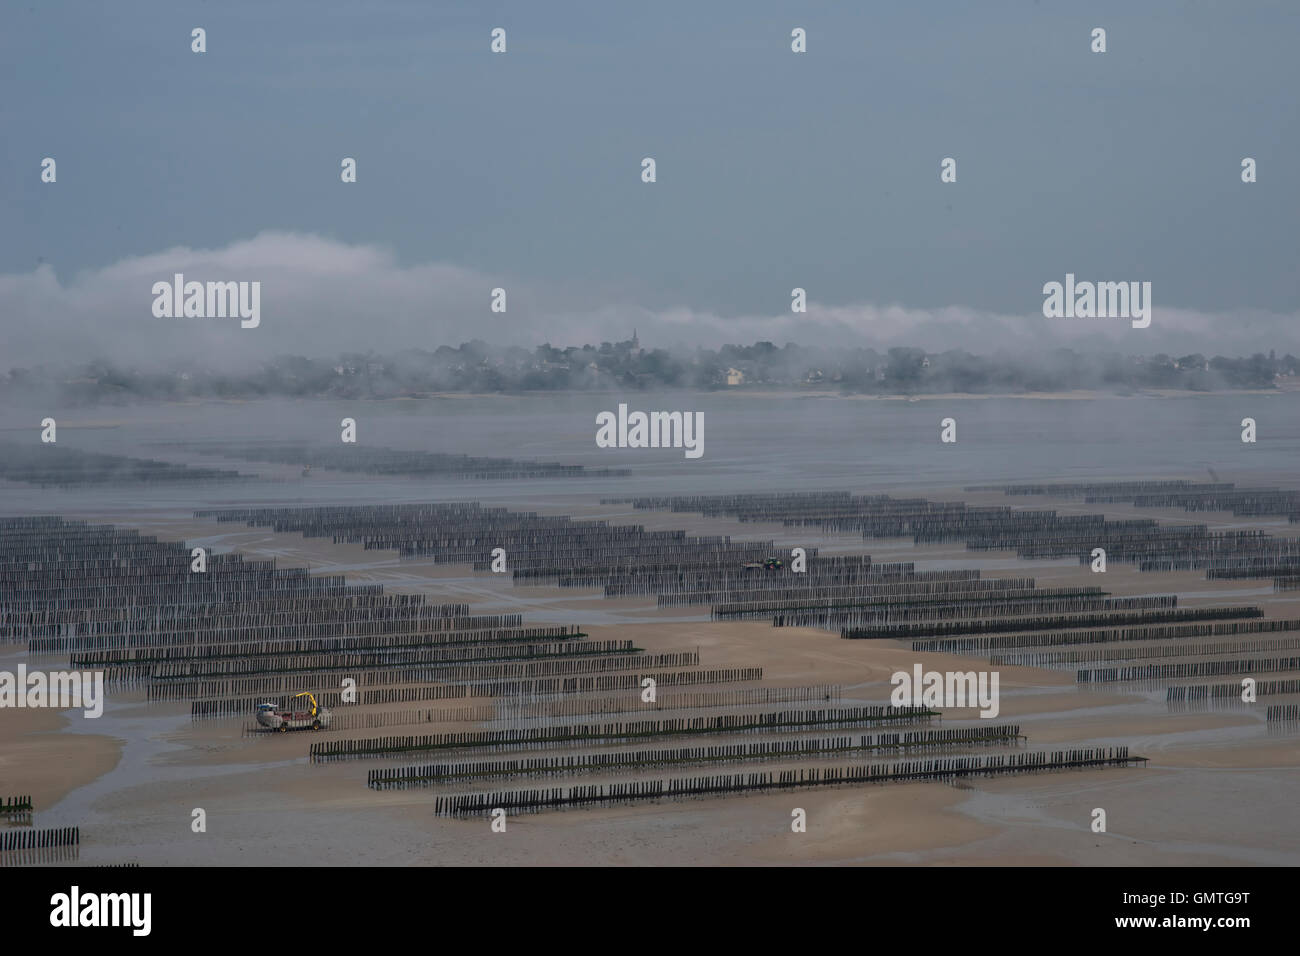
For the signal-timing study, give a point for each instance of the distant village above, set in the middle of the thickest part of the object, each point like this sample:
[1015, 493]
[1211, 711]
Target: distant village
[477, 367]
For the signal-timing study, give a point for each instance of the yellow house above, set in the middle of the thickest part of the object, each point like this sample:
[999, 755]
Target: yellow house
[735, 377]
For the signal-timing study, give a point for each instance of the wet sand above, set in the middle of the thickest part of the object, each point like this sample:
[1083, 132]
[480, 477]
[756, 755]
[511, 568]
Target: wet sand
[1220, 786]
[38, 758]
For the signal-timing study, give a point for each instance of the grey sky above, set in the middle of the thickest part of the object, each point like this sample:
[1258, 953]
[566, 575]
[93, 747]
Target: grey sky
[775, 170]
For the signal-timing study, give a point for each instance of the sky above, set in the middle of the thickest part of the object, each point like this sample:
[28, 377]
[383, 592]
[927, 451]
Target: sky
[522, 170]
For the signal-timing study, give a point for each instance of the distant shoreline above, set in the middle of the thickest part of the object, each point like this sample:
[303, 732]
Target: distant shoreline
[630, 395]
[769, 394]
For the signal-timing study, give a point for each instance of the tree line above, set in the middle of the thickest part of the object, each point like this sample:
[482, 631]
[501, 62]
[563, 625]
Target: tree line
[477, 367]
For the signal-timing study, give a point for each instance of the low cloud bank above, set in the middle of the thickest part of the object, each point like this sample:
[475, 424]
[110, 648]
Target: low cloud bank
[320, 297]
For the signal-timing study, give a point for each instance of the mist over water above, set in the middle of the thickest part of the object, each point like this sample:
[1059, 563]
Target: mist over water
[752, 443]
